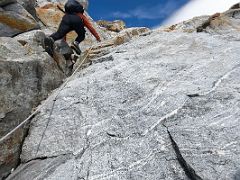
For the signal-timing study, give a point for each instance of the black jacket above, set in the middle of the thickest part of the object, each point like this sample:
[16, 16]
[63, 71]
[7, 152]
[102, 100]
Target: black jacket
[72, 7]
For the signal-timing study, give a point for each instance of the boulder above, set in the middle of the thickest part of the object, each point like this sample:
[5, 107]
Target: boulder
[115, 26]
[50, 15]
[6, 2]
[62, 51]
[29, 5]
[27, 76]
[14, 19]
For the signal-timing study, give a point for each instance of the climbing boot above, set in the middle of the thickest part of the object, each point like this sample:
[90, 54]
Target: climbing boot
[75, 57]
[48, 45]
[75, 48]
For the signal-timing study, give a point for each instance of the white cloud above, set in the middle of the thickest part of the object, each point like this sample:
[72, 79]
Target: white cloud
[119, 14]
[154, 12]
[198, 8]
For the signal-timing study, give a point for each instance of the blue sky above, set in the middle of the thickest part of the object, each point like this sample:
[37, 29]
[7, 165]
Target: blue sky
[148, 13]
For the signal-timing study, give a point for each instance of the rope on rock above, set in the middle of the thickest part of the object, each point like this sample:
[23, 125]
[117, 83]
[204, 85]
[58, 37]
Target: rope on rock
[55, 98]
[41, 106]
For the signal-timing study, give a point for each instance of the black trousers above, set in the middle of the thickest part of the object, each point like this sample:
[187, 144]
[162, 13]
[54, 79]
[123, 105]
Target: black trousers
[70, 22]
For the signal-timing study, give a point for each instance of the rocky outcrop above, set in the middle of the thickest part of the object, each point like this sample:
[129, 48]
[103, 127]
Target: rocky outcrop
[115, 26]
[28, 75]
[164, 105]
[6, 2]
[219, 23]
[14, 19]
[160, 104]
[50, 15]
[29, 5]
[44, 2]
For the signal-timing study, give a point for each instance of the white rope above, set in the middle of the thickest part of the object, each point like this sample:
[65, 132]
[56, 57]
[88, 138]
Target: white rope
[55, 98]
[41, 106]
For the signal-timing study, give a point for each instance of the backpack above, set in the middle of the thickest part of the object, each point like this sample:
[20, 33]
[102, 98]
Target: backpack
[73, 7]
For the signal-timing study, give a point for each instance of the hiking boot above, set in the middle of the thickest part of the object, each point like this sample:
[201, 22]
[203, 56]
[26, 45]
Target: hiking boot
[75, 48]
[48, 45]
[74, 58]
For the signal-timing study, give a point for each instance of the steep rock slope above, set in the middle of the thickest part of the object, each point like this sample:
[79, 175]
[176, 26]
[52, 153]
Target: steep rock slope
[162, 106]
[28, 75]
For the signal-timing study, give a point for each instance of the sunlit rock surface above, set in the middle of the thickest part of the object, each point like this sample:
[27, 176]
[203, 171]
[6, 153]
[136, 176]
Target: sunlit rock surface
[164, 105]
[150, 105]
[28, 75]
[14, 19]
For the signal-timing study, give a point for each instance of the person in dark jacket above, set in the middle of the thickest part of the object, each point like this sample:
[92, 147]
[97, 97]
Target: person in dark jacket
[73, 20]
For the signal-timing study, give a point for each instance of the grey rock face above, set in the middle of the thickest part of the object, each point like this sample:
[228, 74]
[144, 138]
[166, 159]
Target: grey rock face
[29, 5]
[225, 24]
[14, 19]
[237, 175]
[6, 2]
[27, 76]
[111, 120]
[161, 106]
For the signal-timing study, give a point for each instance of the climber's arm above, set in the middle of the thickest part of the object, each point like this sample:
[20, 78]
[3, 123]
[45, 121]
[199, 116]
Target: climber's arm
[88, 24]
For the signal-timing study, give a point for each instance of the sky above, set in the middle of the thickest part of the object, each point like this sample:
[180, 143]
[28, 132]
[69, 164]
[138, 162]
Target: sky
[148, 13]
[153, 13]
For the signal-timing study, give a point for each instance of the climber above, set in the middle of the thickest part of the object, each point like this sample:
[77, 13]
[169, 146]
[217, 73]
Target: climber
[73, 20]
